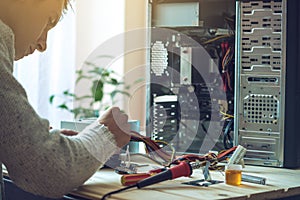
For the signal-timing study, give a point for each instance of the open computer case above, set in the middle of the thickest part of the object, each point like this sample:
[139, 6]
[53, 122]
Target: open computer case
[223, 73]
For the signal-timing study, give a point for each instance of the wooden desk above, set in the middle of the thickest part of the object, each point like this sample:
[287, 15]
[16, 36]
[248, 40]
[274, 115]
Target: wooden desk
[280, 183]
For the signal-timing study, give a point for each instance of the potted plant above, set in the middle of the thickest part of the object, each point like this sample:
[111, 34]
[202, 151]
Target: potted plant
[104, 87]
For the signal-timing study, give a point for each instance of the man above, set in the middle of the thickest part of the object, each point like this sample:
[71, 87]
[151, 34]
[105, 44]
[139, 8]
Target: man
[45, 164]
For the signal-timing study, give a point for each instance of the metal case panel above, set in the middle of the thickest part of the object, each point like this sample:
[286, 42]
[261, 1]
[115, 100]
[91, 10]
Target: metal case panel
[260, 79]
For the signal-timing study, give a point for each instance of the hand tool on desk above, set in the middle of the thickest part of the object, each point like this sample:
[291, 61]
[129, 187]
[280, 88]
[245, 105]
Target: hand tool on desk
[184, 166]
[130, 179]
[181, 162]
[182, 169]
[161, 174]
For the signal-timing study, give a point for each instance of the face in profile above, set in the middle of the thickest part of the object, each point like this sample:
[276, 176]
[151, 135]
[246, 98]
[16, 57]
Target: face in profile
[32, 23]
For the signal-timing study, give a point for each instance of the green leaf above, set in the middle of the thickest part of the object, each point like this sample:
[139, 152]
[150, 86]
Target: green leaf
[63, 106]
[114, 81]
[83, 77]
[91, 64]
[66, 92]
[98, 90]
[105, 73]
[79, 72]
[115, 92]
[97, 71]
[51, 98]
[98, 95]
[76, 112]
[83, 97]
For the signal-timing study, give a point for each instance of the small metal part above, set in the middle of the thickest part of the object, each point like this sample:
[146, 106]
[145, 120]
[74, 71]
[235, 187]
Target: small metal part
[238, 155]
[123, 169]
[205, 171]
[202, 183]
[197, 164]
[253, 179]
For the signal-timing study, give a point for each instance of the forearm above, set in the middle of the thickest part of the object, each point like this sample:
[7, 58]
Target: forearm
[43, 163]
[55, 168]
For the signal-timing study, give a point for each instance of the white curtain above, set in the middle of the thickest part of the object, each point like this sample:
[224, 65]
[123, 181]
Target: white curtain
[51, 72]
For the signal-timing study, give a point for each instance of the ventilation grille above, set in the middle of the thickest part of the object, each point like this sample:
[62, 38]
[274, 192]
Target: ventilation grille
[274, 5]
[159, 58]
[261, 109]
[261, 28]
[248, 61]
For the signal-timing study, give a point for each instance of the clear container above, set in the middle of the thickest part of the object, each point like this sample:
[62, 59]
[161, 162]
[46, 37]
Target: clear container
[233, 174]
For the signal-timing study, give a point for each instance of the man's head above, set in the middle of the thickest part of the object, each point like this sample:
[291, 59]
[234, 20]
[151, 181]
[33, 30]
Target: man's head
[30, 21]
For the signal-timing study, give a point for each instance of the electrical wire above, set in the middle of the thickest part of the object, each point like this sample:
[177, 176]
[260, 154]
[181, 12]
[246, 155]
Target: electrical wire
[171, 147]
[226, 114]
[225, 71]
[117, 191]
[152, 147]
[146, 156]
[216, 38]
[210, 157]
[227, 138]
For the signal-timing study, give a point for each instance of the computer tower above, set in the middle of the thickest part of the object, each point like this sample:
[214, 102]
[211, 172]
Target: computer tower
[223, 73]
[267, 92]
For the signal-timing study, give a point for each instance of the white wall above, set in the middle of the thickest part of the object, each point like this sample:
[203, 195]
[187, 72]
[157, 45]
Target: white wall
[97, 21]
[135, 61]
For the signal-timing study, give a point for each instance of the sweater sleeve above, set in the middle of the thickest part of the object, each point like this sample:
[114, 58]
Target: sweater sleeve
[40, 162]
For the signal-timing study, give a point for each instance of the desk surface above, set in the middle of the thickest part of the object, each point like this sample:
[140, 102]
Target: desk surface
[280, 183]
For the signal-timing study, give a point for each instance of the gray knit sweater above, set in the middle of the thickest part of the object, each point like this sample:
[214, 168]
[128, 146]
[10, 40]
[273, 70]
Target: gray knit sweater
[40, 162]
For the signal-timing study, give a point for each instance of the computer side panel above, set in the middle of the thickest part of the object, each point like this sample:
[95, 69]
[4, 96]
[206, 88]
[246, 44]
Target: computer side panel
[263, 66]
